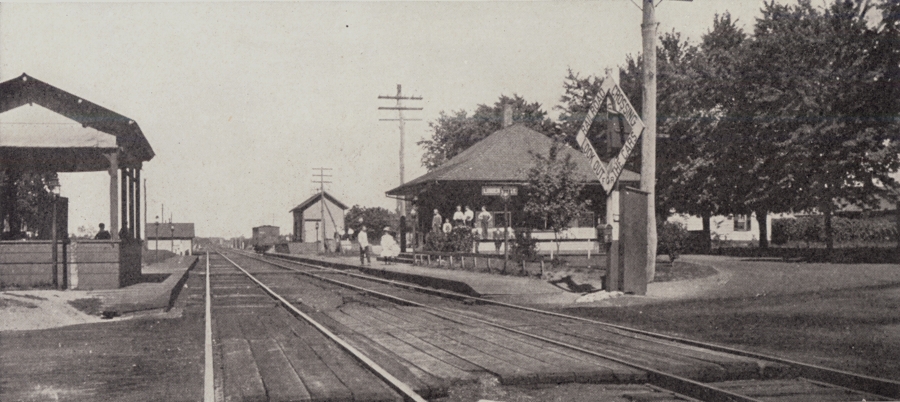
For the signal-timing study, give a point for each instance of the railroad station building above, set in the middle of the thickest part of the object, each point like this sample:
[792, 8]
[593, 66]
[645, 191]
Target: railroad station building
[503, 159]
[176, 237]
[46, 130]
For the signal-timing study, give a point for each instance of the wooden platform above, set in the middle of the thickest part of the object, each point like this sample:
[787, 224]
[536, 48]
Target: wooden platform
[131, 360]
[148, 295]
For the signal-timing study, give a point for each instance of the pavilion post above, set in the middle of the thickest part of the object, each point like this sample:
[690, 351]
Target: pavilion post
[4, 203]
[137, 203]
[132, 202]
[123, 173]
[113, 194]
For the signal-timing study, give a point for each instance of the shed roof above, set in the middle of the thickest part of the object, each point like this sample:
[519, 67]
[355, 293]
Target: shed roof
[182, 230]
[315, 198]
[50, 146]
[503, 157]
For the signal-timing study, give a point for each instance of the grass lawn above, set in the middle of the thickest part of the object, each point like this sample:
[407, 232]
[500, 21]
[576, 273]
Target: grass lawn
[854, 328]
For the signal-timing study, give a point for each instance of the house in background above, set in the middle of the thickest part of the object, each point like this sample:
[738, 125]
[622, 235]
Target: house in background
[730, 228]
[175, 237]
[320, 209]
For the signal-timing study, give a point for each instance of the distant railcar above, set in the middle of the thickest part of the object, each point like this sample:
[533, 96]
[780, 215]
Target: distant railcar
[265, 237]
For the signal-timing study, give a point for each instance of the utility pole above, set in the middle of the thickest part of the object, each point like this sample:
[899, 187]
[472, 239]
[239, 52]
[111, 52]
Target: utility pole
[648, 143]
[401, 204]
[321, 181]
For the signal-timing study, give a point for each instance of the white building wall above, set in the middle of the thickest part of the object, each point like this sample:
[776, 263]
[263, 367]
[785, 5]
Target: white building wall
[722, 227]
[177, 246]
[334, 222]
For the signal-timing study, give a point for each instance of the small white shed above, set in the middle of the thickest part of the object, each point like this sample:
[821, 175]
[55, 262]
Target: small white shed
[310, 215]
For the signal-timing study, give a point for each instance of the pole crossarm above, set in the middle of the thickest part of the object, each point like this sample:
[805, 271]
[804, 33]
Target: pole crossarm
[400, 97]
[398, 108]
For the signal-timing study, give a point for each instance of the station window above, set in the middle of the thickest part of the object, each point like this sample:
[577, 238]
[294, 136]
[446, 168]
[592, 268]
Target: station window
[585, 220]
[499, 219]
[742, 223]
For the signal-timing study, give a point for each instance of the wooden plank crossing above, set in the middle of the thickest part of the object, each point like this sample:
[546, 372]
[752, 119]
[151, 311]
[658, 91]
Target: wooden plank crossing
[689, 361]
[430, 350]
[457, 353]
[267, 354]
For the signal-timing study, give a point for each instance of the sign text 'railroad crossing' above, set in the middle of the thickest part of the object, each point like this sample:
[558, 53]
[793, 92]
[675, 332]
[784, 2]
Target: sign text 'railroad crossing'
[616, 102]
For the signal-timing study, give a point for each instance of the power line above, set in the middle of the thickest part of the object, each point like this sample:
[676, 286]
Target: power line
[401, 205]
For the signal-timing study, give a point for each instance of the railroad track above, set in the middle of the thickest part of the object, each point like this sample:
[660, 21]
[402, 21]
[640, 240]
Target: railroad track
[676, 368]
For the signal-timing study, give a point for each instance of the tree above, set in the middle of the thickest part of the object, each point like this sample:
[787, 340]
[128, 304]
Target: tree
[826, 125]
[456, 131]
[26, 202]
[374, 218]
[84, 232]
[553, 190]
[677, 158]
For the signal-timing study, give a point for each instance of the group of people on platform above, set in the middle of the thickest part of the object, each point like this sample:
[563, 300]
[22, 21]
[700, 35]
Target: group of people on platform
[480, 225]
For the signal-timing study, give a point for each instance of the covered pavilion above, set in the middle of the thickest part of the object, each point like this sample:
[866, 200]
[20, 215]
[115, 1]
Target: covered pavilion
[100, 140]
[501, 159]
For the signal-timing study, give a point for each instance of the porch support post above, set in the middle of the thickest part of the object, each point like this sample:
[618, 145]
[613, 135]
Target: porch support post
[137, 203]
[131, 204]
[123, 175]
[113, 194]
[4, 202]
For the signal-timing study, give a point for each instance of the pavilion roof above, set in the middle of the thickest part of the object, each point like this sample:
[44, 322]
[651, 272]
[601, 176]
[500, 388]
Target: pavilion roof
[52, 146]
[502, 157]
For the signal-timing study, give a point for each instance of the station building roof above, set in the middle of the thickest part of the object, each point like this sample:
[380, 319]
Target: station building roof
[314, 199]
[502, 157]
[43, 128]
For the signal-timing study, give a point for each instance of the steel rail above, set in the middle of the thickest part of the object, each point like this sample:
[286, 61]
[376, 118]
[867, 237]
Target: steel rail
[672, 382]
[209, 393]
[401, 387]
[857, 382]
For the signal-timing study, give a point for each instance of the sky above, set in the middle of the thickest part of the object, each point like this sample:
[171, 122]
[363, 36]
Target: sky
[242, 100]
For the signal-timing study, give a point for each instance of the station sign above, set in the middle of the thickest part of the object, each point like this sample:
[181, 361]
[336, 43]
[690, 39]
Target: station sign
[499, 191]
[616, 102]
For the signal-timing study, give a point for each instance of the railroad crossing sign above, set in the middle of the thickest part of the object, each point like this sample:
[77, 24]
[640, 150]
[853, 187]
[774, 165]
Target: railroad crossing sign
[616, 102]
[502, 191]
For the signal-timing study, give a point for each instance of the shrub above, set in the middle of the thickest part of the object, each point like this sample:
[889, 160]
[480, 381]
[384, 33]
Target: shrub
[672, 239]
[460, 239]
[524, 248]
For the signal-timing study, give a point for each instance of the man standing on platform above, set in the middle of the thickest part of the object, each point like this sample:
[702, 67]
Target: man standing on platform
[469, 217]
[436, 221]
[484, 218]
[363, 240]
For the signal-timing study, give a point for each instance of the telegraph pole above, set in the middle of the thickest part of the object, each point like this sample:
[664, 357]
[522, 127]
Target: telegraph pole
[321, 181]
[401, 205]
[648, 145]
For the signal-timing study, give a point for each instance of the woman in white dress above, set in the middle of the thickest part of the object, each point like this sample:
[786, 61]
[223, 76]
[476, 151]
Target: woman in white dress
[389, 246]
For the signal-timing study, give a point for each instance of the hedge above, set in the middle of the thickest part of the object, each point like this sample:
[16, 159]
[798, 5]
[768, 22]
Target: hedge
[811, 229]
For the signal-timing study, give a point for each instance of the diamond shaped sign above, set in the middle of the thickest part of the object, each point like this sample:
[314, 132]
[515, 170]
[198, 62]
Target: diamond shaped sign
[616, 102]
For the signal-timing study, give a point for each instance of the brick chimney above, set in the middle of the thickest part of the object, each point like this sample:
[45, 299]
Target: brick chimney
[507, 116]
